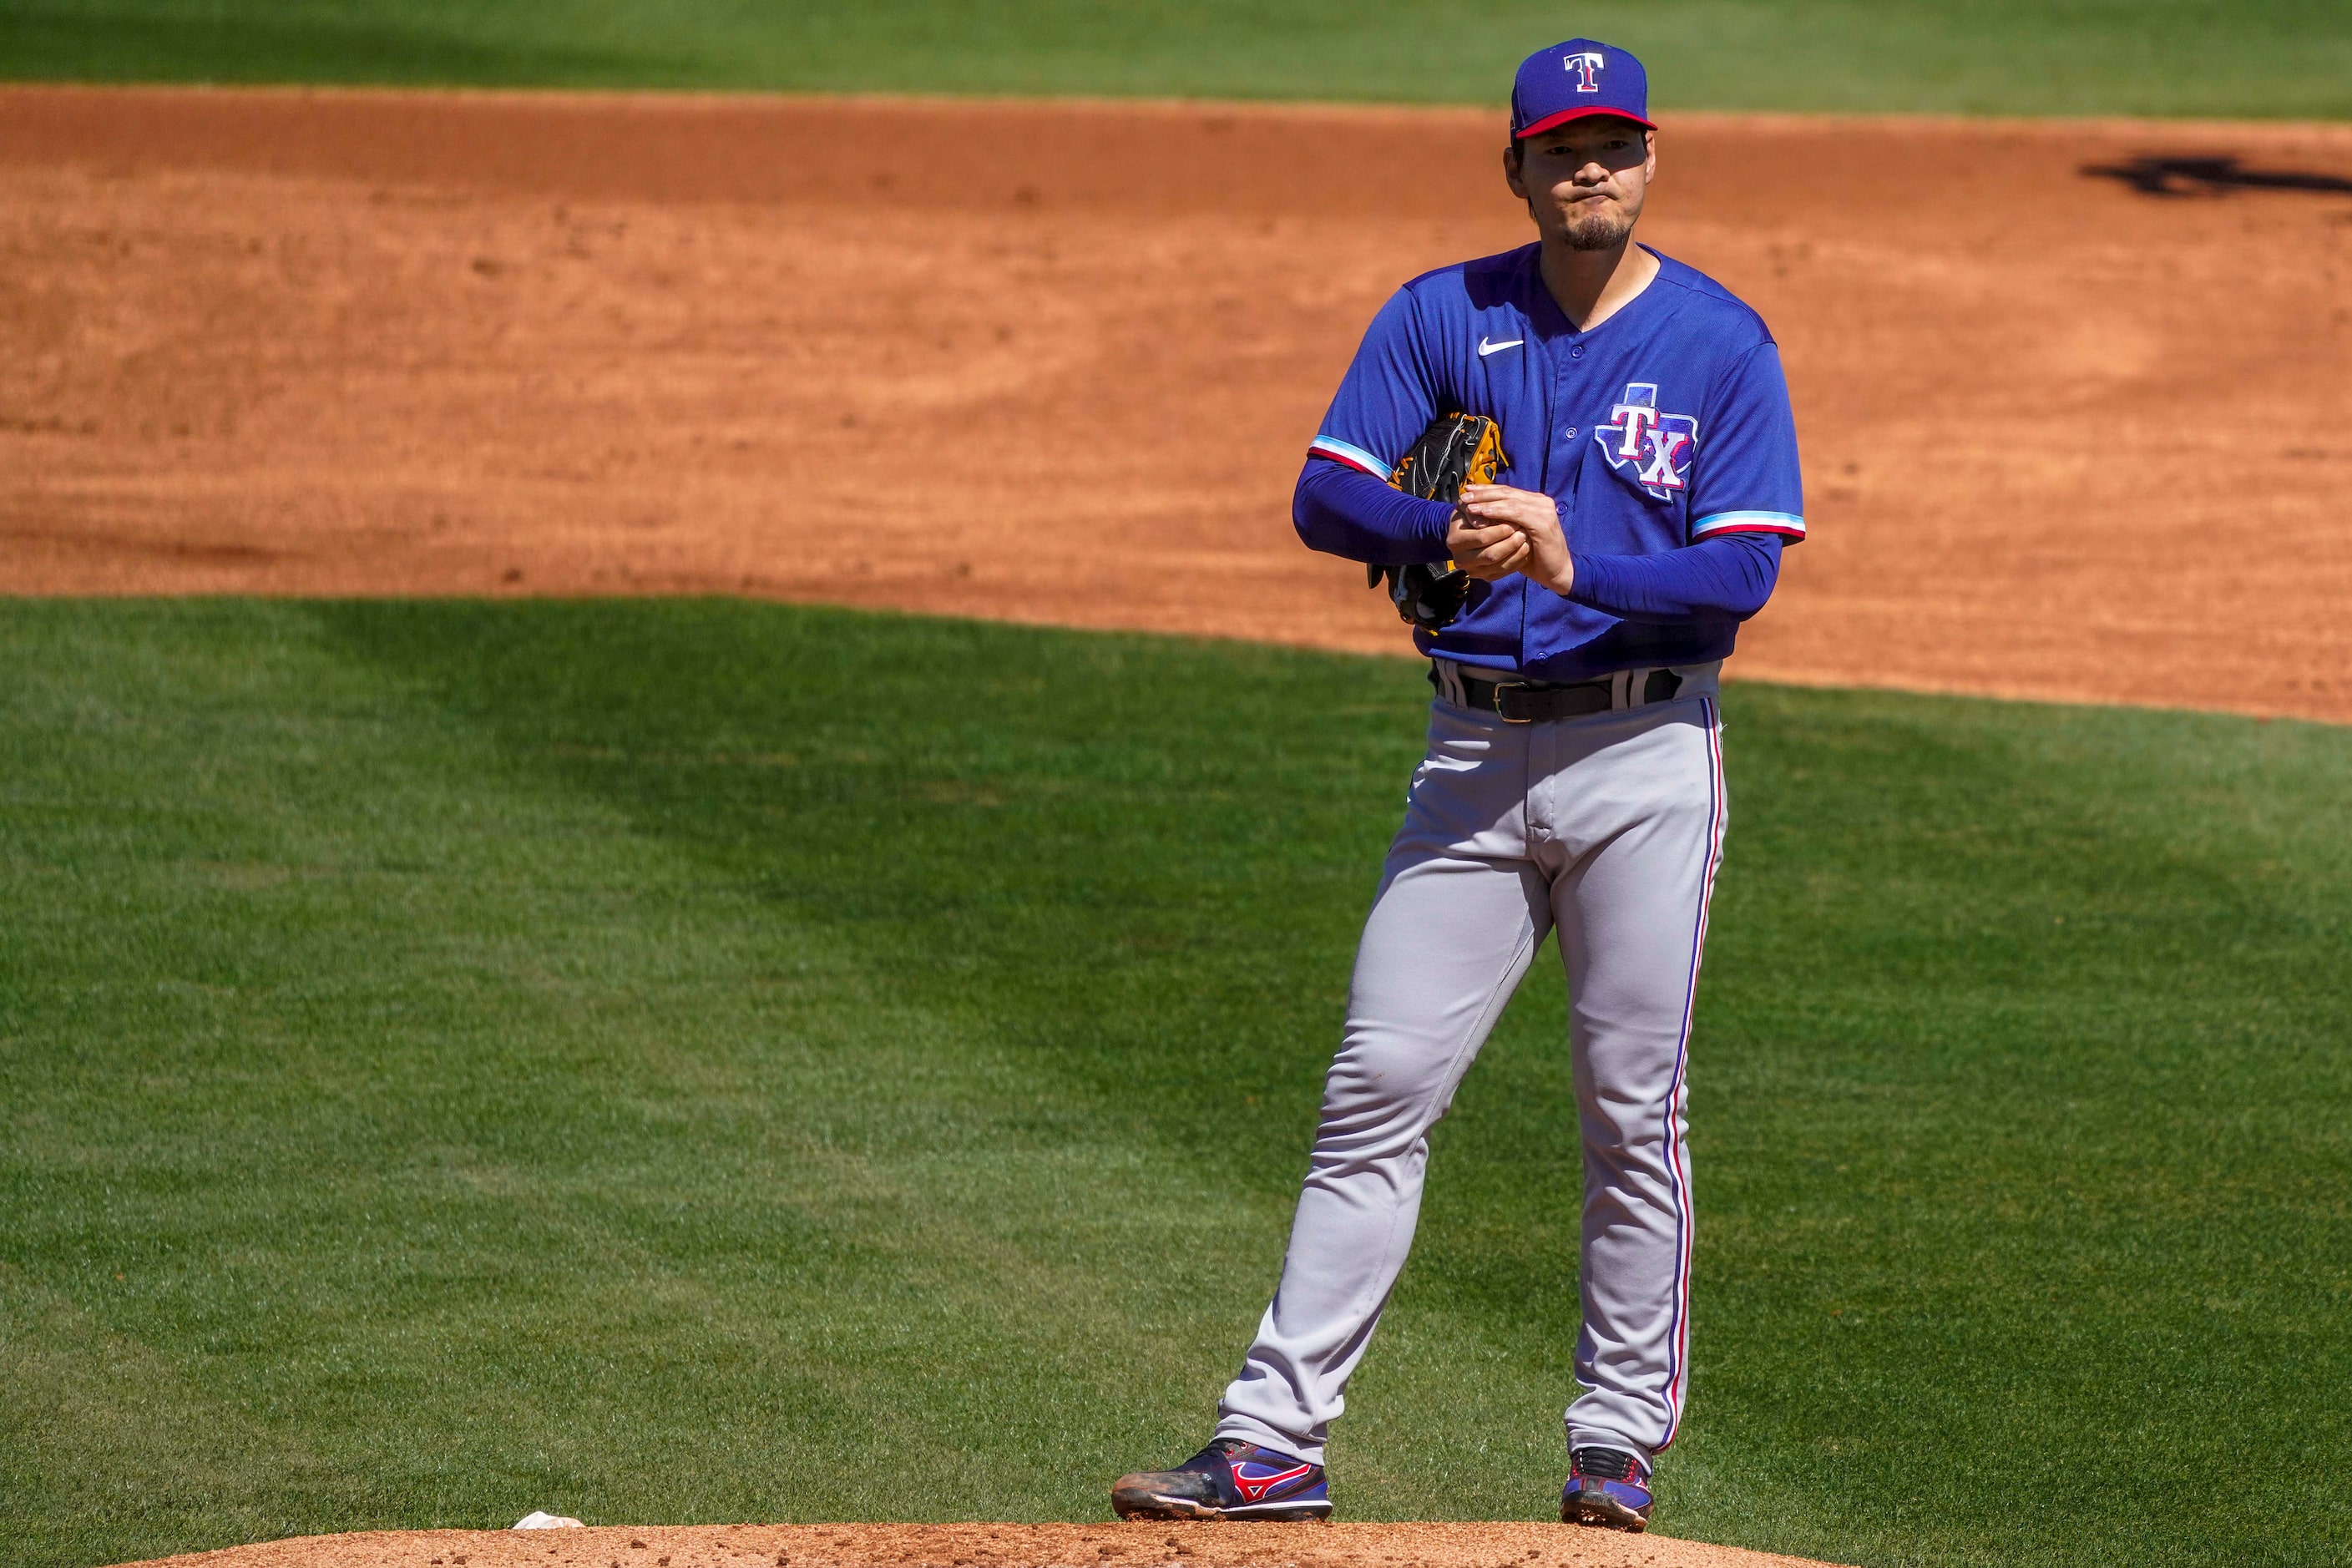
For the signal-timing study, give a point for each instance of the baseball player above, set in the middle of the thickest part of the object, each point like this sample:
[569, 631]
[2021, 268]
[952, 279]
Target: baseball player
[1573, 781]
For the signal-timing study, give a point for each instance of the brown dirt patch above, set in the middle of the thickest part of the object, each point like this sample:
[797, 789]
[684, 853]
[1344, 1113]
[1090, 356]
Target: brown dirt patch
[995, 1546]
[1059, 363]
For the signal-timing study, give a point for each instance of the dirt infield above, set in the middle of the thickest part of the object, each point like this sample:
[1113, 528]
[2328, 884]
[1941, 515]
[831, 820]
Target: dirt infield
[2069, 433]
[995, 1546]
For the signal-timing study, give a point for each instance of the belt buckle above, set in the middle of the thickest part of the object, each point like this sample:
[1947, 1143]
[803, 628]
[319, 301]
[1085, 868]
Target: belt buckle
[1501, 686]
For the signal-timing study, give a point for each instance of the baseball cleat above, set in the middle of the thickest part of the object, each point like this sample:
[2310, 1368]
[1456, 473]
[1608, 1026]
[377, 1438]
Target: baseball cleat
[1606, 1487]
[1231, 1479]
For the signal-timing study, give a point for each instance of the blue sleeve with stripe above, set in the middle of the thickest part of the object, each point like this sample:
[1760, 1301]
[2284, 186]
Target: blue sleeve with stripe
[1745, 478]
[1387, 398]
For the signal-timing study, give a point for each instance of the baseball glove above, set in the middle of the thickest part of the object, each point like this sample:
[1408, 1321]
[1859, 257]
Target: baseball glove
[1456, 449]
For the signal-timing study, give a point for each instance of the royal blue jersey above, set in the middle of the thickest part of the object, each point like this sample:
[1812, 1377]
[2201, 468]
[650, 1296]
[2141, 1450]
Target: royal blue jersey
[1665, 425]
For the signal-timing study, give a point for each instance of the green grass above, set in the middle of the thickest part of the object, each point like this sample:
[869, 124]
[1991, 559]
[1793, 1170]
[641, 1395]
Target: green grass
[703, 1061]
[2232, 57]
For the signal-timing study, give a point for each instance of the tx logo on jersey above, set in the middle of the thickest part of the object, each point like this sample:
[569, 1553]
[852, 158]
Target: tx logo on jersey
[1586, 69]
[1659, 446]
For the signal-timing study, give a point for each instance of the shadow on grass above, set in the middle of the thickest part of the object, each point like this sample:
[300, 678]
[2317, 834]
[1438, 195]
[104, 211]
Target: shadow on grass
[1117, 852]
[78, 41]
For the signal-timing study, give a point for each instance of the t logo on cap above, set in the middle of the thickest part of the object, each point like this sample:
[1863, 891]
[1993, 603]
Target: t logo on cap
[1596, 79]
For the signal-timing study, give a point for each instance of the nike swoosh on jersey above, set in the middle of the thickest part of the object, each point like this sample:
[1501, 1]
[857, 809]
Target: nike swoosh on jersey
[1485, 348]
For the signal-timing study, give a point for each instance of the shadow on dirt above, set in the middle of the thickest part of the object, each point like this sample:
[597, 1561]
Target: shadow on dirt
[2152, 176]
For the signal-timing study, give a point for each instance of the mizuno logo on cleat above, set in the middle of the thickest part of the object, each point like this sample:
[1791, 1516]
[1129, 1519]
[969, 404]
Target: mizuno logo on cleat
[1256, 1487]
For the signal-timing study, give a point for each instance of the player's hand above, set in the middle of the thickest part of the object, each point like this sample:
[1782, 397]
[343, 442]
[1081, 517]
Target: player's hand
[1536, 517]
[1487, 553]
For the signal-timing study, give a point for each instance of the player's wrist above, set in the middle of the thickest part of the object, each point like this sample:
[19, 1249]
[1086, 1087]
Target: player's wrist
[1560, 579]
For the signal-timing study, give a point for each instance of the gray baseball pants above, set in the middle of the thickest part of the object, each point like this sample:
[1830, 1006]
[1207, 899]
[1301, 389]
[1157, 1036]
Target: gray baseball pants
[1608, 829]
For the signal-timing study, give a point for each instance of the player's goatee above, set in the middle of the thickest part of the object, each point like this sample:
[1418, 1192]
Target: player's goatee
[1601, 231]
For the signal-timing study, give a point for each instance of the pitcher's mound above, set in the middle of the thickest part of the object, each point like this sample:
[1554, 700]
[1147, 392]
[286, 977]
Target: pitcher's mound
[1135, 1545]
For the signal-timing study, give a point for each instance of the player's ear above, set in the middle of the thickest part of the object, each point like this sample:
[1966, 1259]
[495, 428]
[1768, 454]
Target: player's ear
[1649, 156]
[1511, 170]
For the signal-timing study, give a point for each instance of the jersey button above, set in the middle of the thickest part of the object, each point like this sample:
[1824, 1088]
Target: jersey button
[1575, 352]
[1571, 432]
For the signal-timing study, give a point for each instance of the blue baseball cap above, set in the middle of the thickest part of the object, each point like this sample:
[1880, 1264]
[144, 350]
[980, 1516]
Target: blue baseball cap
[1574, 80]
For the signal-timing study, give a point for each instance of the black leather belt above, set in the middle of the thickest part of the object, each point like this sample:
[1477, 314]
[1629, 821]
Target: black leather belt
[1532, 701]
